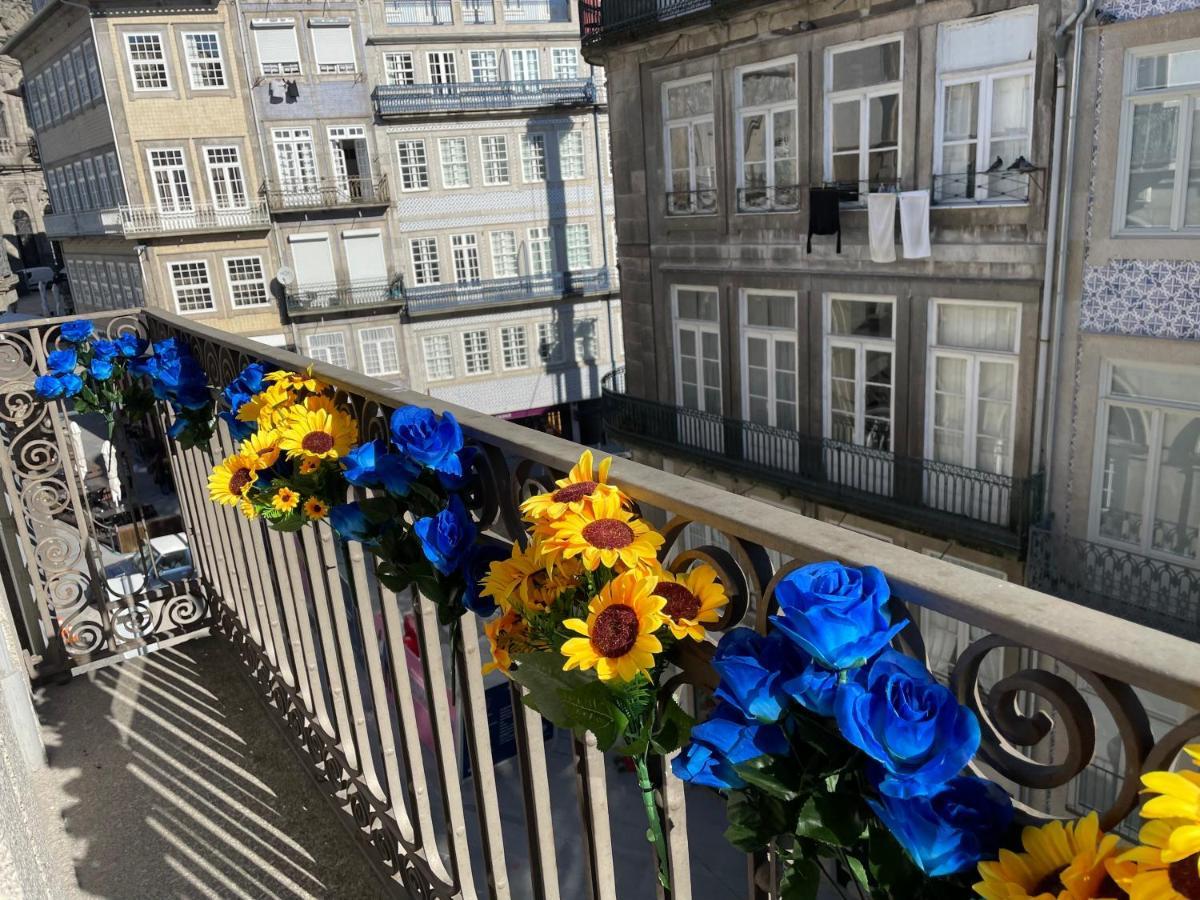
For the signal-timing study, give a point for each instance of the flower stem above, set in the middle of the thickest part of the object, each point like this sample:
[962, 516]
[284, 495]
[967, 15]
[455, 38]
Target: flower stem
[655, 833]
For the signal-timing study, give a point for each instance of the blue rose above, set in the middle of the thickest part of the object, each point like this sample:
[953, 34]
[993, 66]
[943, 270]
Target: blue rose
[419, 434]
[60, 361]
[912, 726]
[72, 384]
[371, 465]
[130, 344]
[951, 829]
[167, 348]
[144, 366]
[176, 428]
[462, 481]
[839, 616]
[247, 383]
[104, 349]
[351, 523]
[101, 369]
[761, 675]
[722, 741]
[193, 395]
[48, 387]
[238, 431]
[77, 331]
[447, 537]
[359, 464]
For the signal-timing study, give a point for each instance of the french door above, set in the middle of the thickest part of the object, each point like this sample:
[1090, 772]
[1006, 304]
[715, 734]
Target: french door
[859, 414]
[297, 165]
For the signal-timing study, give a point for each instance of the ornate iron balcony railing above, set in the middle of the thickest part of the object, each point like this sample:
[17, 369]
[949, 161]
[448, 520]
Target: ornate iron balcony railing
[968, 188]
[407, 99]
[192, 217]
[701, 202]
[431, 298]
[418, 12]
[931, 495]
[325, 193]
[603, 19]
[339, 296]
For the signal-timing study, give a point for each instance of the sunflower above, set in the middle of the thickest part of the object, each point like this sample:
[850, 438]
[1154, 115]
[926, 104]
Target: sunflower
[518, 574]
[308, 465]
[604, 535]
[1060, 862]
[264, 445]
[285, 500]
[314, 402]
[694, 599]
[618, 637]
[316, 508]
[247, 508]
[295, 381]
[1149, 873]
[317, 434]
[579, 488]
[506, 633]
[232, 478]
[1178, 799]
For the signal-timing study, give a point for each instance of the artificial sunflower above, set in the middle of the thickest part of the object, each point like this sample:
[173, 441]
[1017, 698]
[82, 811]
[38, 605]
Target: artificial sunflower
[266, 408]
[694, 598]
[315, 508]
[317, 434]
[504, 634]
[247, 508]
[1178, 799]
[1062, 861]
[309, 465]
[285, 500]
[579, 488]
[618, 637]
[264, 445]
[603, 535]
[232, 478]
[295, 381]
[1149, 873]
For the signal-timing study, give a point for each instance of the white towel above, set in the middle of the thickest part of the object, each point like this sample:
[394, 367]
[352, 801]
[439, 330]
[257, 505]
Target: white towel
[881, 227]
[914, 224]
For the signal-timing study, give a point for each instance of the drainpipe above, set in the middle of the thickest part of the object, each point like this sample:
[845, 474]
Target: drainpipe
[1057, 235]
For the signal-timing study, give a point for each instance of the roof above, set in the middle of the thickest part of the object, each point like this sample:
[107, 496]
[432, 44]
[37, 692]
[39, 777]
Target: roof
[32, 24]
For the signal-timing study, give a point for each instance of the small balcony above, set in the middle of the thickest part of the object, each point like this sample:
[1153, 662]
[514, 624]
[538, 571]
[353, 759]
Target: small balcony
[198, 217]
[603, 21]
[436, 298]
[418, 12]
[309, 194]
[392, 100]
[88, 222]
[322, 298]
[1005, 186]
[983, 507]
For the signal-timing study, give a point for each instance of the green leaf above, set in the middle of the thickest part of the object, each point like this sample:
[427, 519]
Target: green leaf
[829, 819]
[778, 777]
[755, 820]
[378, 510]
[574, 700]
[801, 880]
[859, 872]
[674, 727]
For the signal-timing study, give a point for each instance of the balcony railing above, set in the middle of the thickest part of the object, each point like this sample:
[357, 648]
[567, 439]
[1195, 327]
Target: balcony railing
[784, 198]
[603, 19]
[1150, 591]
[325, 193]
[406, 99]
[323, 297]
[432, 298]
[418, 12]
[517, 12]
[90, 221]
[196, 217]
[968, 188]
[701, 202]
[478, 12]
[931, 495]
[359, 678]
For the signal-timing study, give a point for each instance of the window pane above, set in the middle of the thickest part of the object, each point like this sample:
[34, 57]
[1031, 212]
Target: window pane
[689, 100]
[1175, 384]
[1124, 474]
[865, 66]
[884, 121]
[1177, 504]
[868, 318]
[976, 327]
[1168, 70]
[782, 312]
[764, 86]
[960, 117]
[1152, 165]
[1191, 217]
[1010, 106]
[845, 126]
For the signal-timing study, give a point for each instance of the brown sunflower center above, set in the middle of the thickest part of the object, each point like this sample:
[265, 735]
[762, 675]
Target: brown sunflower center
[1184, 875]
[681, 603]
[317, 442]
[1051, 884]
[615, 630]
[607, 534]
[239, 481]
[573, 493]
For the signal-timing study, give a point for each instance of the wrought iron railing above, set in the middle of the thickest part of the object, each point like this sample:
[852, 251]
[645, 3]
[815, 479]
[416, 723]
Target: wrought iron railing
[406, 99]
[781, 198]
[359, 678]
[932, 495]
[192, 217]
[603, 19]
[418, 12]
[478, 12]
[1153, 592]
[431, 298]
[1095, 789]
[517, 12]
[1002, 186]
[692, 203]
[326, 193]
[316, 298]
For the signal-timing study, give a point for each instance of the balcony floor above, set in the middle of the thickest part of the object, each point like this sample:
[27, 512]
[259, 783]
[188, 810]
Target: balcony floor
[166, 779]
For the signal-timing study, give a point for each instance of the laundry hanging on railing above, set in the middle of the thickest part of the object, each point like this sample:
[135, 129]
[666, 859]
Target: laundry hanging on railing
[881, 226]
[914, 224]
[824, 214]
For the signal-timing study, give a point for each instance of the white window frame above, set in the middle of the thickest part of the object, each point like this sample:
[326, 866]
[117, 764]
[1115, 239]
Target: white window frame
[525, 53]
[81, 75]
[579, 341]
[324, 353]
[514, 352]
[445, 355]
[551, 333]
[558, 64]
[860, 345]
[449, 165]
[690, 123]
[228, 168]
[235, 283]
[770, 335]
[511, 256]
[698, 327]
[134, 64]
[276, 69]
[768, 113]
[464, 254]
[431, 263]
[479, 65]
[489, 165]
[206, 284]
[578, 164]
[399, 67]
[864, 95]
[483, 351]
[193, 62]
[373, 337]
[529, 160]
[586, 230]
[334, 67]
[182, 204]
[443, 63]
[407, 162]
[540, 235]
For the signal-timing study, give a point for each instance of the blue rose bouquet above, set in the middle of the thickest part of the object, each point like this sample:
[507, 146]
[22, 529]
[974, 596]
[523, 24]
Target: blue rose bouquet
[842, 753]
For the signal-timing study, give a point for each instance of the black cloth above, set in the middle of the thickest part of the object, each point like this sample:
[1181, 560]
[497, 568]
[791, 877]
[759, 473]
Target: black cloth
[824, 214]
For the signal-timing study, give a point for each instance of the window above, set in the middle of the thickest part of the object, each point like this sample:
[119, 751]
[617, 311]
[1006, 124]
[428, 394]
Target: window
[58, 89]
[862, 115]
[541, 251]
[72, 86]
[524, 65]
[439, 360]
[579, 248]
[973, 385]
[465, 251]
[205, 67]
[414, 171]
[550, 347]
[570, 155]
[424, 254]
[278, 50]
[247, 287]
[564, 62]
[114, 175]
[169, 175]
[484, 66]
[329, 347]
[190, 284]
[984, 116]
[351, 162]
[533, 157]
[296, 161]
[85, 197]
[1160, 142]
[504, 254]
[1145, 495]
[442, 69]
[690, 147]
[333, 47]
[379, 353]
[494, 150]
[81, 76]
[859, 365]
[514, 347]
[225, 178]
[104, 183]
[769, 356]
[398, 68]
[766, 121]
[147, 64]
[585, 340]
[477, 353]
[89, 169]
[456, 172]
[697, 348]
[93, 69]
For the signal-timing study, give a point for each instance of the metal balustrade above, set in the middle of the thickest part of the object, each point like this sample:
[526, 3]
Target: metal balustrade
[326, 193]
[406, 99]
[359, 678]
[90, 221]
[478, 12]
[339, 296]
[521, 11]
[193, 217]
[431, 298]
[418, 12]
[967, 188]
[603, 19]
[701, 202]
